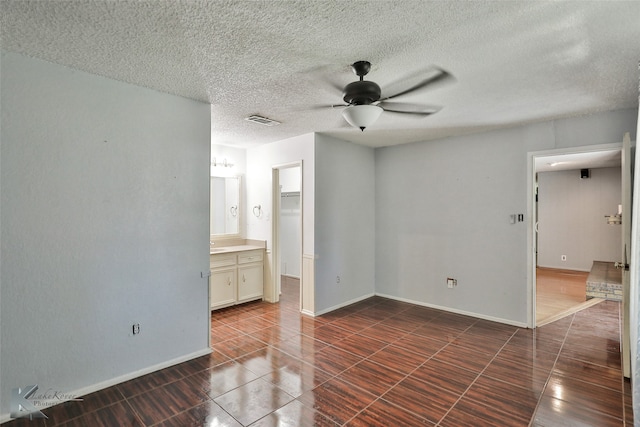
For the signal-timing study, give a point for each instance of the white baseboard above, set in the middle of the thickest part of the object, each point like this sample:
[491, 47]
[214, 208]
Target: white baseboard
[308, 284]
[344, 304]
[122, 378]
[456, 311]
[555, 267]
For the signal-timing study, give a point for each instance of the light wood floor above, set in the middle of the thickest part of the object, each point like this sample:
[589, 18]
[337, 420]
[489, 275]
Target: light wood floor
[560, 293]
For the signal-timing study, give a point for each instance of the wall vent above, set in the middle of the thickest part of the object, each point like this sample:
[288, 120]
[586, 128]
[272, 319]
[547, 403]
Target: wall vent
[262, 120]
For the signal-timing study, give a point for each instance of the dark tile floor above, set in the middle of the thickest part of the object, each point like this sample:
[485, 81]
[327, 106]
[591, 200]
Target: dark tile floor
[377, 363]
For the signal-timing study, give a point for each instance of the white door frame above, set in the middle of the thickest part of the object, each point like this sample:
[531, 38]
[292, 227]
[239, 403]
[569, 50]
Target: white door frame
[531, 208]
[627, 220]
[275, 232]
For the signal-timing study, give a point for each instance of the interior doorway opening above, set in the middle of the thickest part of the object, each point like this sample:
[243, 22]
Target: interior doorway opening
[287, 231]
[561, 174]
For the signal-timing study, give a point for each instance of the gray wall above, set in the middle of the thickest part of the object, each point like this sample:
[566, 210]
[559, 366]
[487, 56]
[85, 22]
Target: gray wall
[338, 211]
[571, 218]
[260, 163]
[442, 210]
[104, 196]
[344, 222]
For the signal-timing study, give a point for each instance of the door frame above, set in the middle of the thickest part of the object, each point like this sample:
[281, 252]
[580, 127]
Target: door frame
[531, 208]
[627, 222]
[275, 231]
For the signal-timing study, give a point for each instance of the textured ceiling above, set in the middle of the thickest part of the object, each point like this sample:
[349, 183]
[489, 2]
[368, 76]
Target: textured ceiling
[514, 62]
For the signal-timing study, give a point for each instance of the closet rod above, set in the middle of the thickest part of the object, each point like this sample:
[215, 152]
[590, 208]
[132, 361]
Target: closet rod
[290, 194]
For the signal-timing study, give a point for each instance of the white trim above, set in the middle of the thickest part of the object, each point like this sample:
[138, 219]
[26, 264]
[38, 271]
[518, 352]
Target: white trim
[456, 311]
[307, 284]
[577, 150]
[634, 269]
[287, 165]
[301, 231]
[122, 378]
[344, 304]
[274, 286]
[268, 278]
[228, 236]
[209, 313]
[531, 205]
[275, 227]
[531, 240]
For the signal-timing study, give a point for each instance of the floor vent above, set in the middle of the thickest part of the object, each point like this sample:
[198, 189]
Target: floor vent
[262, 120]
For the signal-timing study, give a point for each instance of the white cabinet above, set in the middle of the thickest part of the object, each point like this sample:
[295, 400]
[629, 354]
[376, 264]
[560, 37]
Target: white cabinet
[222, 287]
[249, 282]
[235, 278]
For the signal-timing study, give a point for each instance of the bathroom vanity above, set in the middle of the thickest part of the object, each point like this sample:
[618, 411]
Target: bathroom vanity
[236, 264]
[237, 275]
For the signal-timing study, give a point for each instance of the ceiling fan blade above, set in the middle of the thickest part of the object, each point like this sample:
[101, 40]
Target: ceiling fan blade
[418, 110]
[334, 85]
[321, 74]
[328, 106]
[415, 114]
[439, 76]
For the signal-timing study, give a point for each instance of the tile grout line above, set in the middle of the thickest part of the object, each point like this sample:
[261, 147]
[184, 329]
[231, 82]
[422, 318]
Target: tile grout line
[622, 382]
[137, 415]
[399, 381]
[341, 372]
[546, 383]
[477, 376]
[573, 324]
[408, 375]
[345, 317]
[584, 381]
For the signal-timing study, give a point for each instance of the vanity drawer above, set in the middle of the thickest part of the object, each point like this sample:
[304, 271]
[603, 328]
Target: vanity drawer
[223, 260]
[250, 256]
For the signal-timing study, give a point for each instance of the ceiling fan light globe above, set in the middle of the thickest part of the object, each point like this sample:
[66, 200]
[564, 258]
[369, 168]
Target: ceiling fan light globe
[361, 116]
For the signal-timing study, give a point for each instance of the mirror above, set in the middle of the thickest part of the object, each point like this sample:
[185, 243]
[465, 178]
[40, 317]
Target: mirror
[225, 206]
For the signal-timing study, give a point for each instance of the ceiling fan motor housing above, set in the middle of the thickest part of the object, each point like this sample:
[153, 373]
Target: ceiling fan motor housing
[361, 93]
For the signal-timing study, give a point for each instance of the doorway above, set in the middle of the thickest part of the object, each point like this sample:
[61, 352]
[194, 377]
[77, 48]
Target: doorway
[558, 184]
[287, 232]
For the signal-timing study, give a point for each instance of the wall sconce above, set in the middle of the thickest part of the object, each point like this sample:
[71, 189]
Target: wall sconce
[224, 163]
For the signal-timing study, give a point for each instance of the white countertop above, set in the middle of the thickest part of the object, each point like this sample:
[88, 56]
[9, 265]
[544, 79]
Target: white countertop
[236, 248]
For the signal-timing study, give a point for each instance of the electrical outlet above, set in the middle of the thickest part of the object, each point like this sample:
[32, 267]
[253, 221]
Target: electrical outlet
[451, 282]
[563, 257]
[136, 328]
[337, 279]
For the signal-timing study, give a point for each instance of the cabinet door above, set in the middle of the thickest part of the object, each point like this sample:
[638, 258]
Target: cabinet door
[222, 287]
[249, 282]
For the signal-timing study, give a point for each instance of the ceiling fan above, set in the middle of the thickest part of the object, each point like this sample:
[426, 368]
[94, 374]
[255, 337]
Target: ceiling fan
[364, 103]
